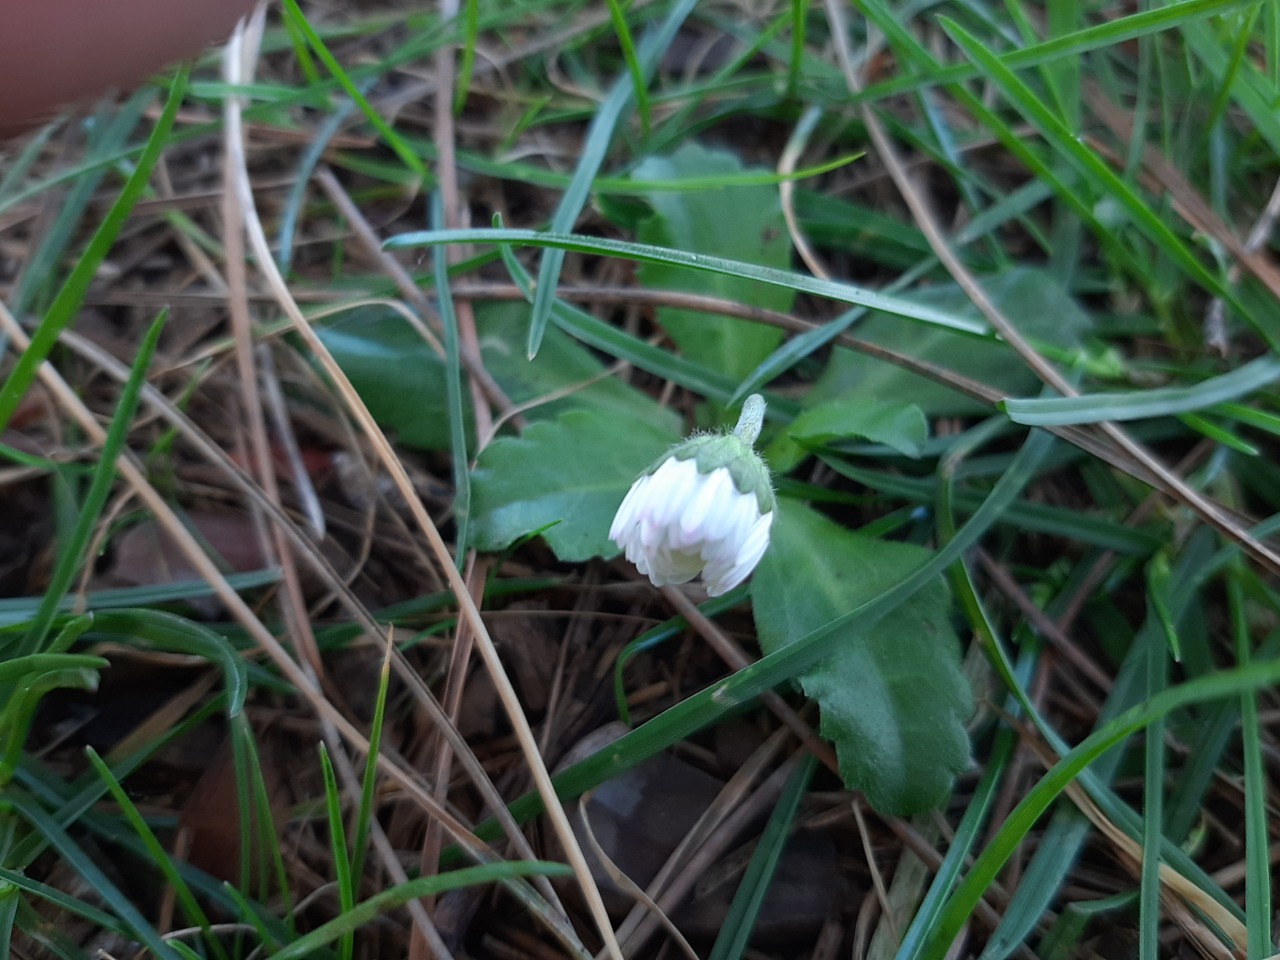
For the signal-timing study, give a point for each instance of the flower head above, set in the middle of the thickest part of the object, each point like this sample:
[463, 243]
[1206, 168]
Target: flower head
[705, 506]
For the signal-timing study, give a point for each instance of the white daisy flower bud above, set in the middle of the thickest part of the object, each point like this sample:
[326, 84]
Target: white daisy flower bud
[705, 507]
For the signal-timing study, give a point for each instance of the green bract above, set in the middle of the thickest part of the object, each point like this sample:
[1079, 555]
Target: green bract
[711, 451]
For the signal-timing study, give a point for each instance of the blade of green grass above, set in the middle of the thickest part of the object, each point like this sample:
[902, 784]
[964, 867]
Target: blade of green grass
[73, 554]
[1218, 434]
[156, 853]
[256, 820]
[1256, 832]
[740, 921]
[75, 858]
[369, 784]
[659, 635]
[453, 390]
[1041, 517]
[617, 343]
[904, 42]
[599, 135]
[9, 903]
[67, 303]
[399, 895]
[646, 253]
[339, 852]
[107, 133]
[17, 610]
[1253, 93]
[807, 343]
[1098, 37]
[156, 630]
[307, 163]
[1157, 673]
[799, 11]
[397, 144]
[1136, 405]
[18, 667]
[639, 82]
[63, 901]
[466, 69]
[1228, 683]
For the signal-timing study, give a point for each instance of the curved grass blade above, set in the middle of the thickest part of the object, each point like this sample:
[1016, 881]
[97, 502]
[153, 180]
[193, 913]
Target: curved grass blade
[108, 131]
[368, 787]
[20, 667]
[1157, 681]
[1097, 37]
[646, 253]
[79, 861]
[401, 894]
[470, 34]
[661, 634]
[962, 844]
[639, 85]
[307, 163]
[1041, 517]
[1014, 141]
[76, 809]
[69, 802]
[164, 631]
[256, 819]
[617, 343]
[9, 903]
[599, 134]
[799, 10]
[63, 901]
[1140, 404]
[802, 345]
[67, 303]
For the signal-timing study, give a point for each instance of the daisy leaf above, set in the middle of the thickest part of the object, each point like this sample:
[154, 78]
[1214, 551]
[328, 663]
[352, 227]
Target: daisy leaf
[893, 698]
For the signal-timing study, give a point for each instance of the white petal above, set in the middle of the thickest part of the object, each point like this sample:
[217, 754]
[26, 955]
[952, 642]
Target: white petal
[749, 555]
[673, 483]
[624, 519]
[674, 566]
[705, 503]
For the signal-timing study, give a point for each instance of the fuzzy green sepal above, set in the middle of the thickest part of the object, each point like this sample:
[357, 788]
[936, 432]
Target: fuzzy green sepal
[713, 451]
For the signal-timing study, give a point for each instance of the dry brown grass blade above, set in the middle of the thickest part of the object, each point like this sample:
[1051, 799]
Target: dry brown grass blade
[1178, 891]
[710, 837]
[238, 67]
[468, 610]
[625, 883]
